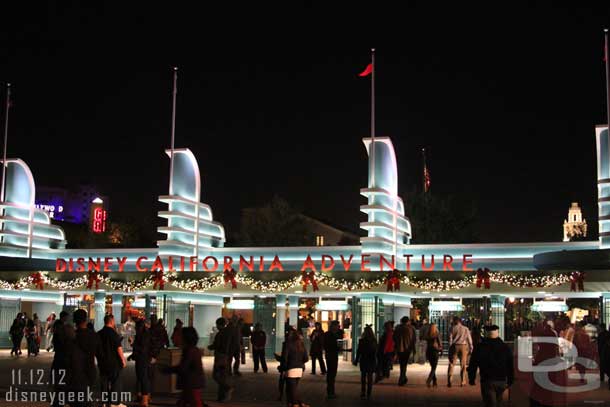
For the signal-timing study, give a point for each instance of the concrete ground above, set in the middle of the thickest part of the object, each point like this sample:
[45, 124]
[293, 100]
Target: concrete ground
[261, 389]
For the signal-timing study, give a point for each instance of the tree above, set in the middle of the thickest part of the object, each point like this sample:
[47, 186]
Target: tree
[440, 218]
[275, 224]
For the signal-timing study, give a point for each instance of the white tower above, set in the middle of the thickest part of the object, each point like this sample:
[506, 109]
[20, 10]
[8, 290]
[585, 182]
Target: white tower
[575, 225]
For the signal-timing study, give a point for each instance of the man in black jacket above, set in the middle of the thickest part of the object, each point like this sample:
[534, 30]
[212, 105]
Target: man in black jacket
[494, 359]
[223, 347]
[331, 350]
[85, 348]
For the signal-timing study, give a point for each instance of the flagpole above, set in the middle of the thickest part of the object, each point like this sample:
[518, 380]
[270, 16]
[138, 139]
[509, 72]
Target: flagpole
[8, 106]
[423, 152]
[606, 54]
[373, 117]
[171, 159]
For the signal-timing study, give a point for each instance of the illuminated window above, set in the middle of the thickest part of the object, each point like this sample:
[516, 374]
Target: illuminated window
[319, 240]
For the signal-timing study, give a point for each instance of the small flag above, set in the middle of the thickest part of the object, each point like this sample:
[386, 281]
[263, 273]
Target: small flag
[426, 179]
[367, 71]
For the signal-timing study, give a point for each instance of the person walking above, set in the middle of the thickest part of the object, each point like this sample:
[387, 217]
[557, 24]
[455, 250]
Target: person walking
[222, 347]
[48, 330]
[316, 349]
[404, 342]
[84, 350]
[293, 362]
[331, 352]
[460, 346]
[434, 348]
[236, 345]
[258, 340]
[177, 333]
[16, 333]
[603, 339]
[494, 359]
[385, 352]
[112, 362]
[142, 355]
[366, 356]
[31, 335]
[63, 336]
[191, 379]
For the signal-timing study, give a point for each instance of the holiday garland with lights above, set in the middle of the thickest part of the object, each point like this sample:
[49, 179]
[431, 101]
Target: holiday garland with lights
[41, 279]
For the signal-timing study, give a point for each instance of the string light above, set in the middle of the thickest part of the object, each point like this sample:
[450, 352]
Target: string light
[271, 286]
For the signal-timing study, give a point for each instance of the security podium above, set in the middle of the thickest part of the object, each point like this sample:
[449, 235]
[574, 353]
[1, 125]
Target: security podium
[166, 383]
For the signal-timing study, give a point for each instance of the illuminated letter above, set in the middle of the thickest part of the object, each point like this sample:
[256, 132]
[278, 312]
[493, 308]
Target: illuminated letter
[277, 264]
[261, 264]
[170, 264]
[227, 264]
[364, 260]
[80, 264]
[308, 264]
[121, 261]
[330, 267]
[107, 264]
[157, 264]
[71, 265]
[447, 263]
[205, 264]
[94, 264]
[193, 263]
[138, 266]
[423, 263]
[466, 262]
[408, 258]
[383, 260]
[181, 263]
[243, 262]
[347, 265]
[60, 265]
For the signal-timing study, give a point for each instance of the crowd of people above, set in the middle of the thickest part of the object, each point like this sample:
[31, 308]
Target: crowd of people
[90, 359]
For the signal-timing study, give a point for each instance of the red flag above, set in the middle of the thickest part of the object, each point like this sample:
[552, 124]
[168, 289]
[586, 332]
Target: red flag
[367, 71]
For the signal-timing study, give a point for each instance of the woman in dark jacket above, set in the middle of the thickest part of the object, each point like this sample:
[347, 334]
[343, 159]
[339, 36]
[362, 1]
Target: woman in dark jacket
[366, 356]
[16, 333]
[434, 348]
[385, 352]
[293, 358]
[142, 354]
[190, 370]
[317, 348]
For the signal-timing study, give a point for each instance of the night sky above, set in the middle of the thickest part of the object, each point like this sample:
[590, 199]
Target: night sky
[505, 101]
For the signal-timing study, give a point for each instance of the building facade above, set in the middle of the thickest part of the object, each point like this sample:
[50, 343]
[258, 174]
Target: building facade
[191, 275]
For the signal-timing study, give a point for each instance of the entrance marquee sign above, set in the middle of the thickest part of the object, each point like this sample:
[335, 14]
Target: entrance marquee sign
[326, 263]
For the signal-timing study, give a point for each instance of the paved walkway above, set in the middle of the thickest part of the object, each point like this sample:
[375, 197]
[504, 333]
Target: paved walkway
[261, 389]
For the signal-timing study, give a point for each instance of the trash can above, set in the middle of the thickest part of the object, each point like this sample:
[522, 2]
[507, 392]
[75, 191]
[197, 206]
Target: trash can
[165, 383]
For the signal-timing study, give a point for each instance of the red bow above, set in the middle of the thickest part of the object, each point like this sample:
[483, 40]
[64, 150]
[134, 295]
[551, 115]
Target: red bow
[229, 276]
[483, 278]
[393, 280]
[93, 277]
[158, 280]
[309, 278]
[37, 280]
[577, 279]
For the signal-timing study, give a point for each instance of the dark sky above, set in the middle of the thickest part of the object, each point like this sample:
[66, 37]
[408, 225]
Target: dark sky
[505, 100]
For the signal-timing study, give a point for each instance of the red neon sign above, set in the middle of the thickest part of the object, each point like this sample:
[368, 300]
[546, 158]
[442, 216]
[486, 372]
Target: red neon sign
[99, 220]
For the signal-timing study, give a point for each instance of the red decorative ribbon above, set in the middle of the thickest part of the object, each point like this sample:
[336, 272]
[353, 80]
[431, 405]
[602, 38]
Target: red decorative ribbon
[483, 278]
[229, 276]
[577, 281]
[392, 280]
[309, 278]
[37, 280]
[158, 281]
[93, 278]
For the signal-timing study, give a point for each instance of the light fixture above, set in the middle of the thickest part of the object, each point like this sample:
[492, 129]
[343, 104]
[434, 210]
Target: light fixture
[298, 292]
[511, 299]
[425, 292]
